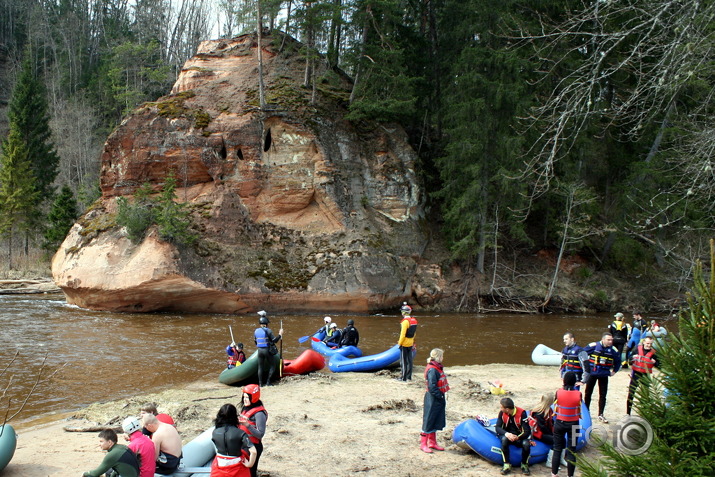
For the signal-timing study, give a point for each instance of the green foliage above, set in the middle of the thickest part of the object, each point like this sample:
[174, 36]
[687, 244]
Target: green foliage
[62, 215]
[172, 218]
[629, 255]
[683, 417]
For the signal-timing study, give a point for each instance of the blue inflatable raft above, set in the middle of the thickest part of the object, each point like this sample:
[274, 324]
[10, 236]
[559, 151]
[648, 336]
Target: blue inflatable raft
[317, 343]
[373, 362]
[8, 443]
[471, 434]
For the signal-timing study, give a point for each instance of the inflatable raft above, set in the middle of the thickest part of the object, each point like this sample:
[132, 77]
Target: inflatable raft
[8, 443]
[247, 373]
[471, 434]
[317, 344]
[374, 362]
[197, 456]
[308, 361]
[545, 356]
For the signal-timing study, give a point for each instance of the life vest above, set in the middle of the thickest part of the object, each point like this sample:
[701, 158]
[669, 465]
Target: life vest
[536, 431]
[261, 337]
[517, 418]
[442, 381]
[247, 416]
[569, 359]
[568, 405]
[412, 327]
[620, 330]
[643, 361]
[232, 356]
[601, 359]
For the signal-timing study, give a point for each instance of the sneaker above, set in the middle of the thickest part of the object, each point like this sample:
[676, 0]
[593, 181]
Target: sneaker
[525, 469]
[603, 419]
[506, 469]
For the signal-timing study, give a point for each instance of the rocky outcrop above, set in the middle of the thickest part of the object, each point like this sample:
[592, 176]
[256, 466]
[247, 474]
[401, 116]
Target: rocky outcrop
[297, 209]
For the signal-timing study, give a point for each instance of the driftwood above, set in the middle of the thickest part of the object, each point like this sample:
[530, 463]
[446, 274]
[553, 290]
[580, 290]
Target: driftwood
[93, 428]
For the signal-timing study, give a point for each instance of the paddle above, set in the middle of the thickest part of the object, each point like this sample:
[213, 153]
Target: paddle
[231, 331]
[281, 368]
[303, 339]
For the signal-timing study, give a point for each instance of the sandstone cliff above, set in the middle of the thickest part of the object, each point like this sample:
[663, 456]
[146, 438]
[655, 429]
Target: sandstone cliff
[297, 208]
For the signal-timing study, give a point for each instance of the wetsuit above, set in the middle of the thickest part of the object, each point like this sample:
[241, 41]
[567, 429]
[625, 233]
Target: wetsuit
[120, 459]
[264, 337]
[166, 463]
[408, 329]
[232, 452]
[644, 360]
[143, 447]
[351, 337]
[256, 417]
[621, 331]
[601, 361]
[517, 424]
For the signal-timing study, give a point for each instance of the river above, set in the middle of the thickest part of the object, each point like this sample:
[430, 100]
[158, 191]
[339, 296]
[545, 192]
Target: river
[101, 356]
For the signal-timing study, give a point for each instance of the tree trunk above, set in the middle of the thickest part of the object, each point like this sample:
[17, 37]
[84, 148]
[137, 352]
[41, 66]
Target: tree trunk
[496, 251]
[564, 239]
[259, 30]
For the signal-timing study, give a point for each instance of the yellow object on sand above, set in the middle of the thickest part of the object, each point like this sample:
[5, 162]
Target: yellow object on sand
[497, 391]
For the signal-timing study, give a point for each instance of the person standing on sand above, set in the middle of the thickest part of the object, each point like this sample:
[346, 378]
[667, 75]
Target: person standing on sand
[119, 458]
[567, 409]
[434, 416]
[141, 445]
[512, 428]
[408, 329]
[235, 453]
[603, 362]
[621, 331]
[264, 341]
[252, 420]
[569, 356]
[644, 360]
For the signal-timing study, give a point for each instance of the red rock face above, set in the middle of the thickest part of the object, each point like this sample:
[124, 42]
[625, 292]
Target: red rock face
[296, 209]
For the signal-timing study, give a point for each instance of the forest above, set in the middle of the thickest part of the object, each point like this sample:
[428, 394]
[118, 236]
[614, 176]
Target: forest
[580, 127]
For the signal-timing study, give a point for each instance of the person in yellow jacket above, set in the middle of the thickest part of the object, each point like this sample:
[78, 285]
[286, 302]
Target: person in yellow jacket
[408, 329]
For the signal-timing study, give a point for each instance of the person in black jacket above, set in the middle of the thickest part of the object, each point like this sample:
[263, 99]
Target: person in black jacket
[235, 453]
[351, 337]
[512, 428]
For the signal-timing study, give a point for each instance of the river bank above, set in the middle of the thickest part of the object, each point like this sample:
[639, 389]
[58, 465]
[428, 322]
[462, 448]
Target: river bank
[321, 424]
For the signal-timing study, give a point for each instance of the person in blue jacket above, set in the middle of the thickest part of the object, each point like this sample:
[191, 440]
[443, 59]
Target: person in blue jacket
[263, 336]
[570, 356]
[600, 361]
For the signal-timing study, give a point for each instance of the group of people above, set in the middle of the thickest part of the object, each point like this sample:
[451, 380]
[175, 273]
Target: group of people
[337, 338]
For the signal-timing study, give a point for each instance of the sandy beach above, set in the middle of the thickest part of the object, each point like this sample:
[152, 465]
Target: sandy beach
[322, 424]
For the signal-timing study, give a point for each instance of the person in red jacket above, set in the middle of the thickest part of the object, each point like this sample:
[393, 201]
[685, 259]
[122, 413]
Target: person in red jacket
[643, 361]
[513, 428]
[567, 411]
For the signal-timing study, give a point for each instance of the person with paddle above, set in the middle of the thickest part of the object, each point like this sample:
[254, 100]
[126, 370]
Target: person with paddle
[236, 356]
[266, 345]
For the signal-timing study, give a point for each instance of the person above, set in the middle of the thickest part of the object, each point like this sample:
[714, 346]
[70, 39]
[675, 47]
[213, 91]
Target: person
[569, 356]
[141, 445]
[236, 356]
[119, 459]
[643, 361]
[621, 331]
[512, 428]
[599, 361]
[639, 326]
[541, 420]
[351, 337]
[333, 341]
[235, 453]
[567, 413]
[638, 322]
[326, 326]
[265, 343]
[150, 408]
[253, 419]
[167, 444]
[408, 329]
[434, 417]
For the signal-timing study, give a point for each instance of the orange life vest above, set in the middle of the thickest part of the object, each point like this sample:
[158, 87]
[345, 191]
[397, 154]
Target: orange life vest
[643, 362]
[442, 381]
[568, 405]
[517, 418]
[247, 416]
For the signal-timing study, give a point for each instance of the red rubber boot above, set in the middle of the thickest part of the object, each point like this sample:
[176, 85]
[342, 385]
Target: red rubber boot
[424, 446]
[432, 442]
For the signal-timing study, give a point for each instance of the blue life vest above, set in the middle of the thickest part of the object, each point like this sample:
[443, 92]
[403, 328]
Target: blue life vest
[261, 337]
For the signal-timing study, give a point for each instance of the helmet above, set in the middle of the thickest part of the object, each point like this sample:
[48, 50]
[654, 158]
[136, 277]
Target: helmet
[131, 425]
[263, 320]
[351, 322]
[239, 346]
[333, 325]
[327, 319]
[406, 309]
[253, 391]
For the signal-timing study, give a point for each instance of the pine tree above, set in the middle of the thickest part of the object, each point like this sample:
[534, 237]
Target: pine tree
[28, 113]
[60, 219]
[678, 405]
[17, 192]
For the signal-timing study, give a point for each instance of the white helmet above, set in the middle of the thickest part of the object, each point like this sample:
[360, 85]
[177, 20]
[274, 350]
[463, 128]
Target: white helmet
[327, 319]
[333, 325]
[131, 425]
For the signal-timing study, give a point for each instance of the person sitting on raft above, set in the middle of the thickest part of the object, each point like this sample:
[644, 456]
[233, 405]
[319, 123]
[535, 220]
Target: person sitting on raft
[333, 341]
[119, 458]
[326, 327]
[351, 337]
[167, 444]
[150, 408]
[512, 428]
[236, 356]
[541, 420]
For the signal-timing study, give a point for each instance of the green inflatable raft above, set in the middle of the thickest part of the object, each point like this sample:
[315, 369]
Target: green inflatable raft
[8, 442]
[247, 373]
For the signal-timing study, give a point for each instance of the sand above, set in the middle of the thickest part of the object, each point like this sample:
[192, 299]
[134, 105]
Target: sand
[323, 424]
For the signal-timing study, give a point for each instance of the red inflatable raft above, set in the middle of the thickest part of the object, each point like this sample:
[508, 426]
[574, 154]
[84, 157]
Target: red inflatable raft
[308, 361]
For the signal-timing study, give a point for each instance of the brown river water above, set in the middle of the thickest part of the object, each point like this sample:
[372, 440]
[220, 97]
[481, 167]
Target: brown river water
[106, 356]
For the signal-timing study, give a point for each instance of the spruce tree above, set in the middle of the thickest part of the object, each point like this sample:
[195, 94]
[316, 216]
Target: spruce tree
[60, 219]
[17, 192]
[678, 405]
[28, 113]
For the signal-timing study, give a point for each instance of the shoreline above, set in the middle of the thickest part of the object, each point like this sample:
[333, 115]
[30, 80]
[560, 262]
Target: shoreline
[320, 424]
